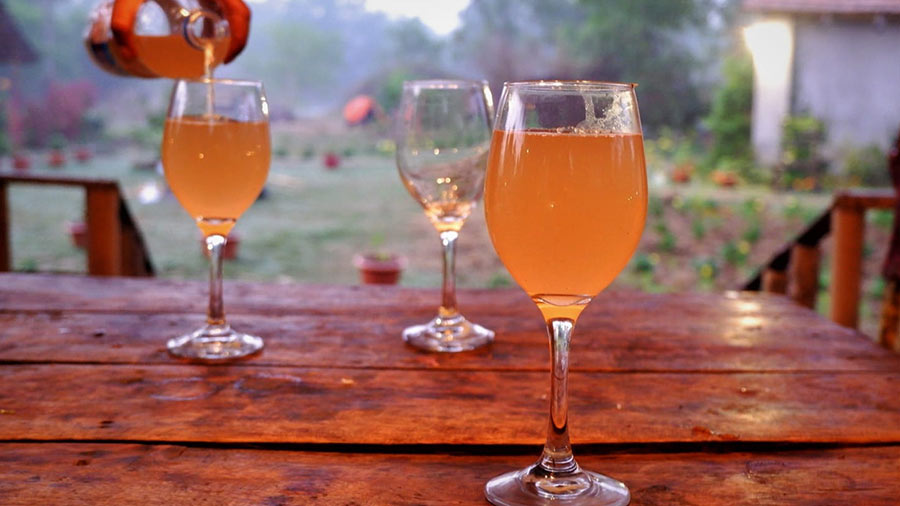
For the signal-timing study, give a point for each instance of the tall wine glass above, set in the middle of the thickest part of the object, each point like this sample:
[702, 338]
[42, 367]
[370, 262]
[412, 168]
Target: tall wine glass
[565, 201]
[215, 153]
[442, 148]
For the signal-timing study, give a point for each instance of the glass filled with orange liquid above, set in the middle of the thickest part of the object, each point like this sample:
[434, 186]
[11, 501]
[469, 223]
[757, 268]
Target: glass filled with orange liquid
[215, 153]
[565, 202]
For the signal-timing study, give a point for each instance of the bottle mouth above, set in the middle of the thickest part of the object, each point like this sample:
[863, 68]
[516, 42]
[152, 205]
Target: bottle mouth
[204, 27]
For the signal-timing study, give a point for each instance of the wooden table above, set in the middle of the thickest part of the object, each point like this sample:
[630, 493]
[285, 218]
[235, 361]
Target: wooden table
[689, 398]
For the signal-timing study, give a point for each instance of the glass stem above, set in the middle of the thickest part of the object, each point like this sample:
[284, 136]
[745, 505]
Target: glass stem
[448, 291]
[215, 245]
[557, 456]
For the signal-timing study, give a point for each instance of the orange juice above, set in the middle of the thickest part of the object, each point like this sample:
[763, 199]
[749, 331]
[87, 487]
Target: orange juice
[215, 167]
[565, 211]
[172, 56]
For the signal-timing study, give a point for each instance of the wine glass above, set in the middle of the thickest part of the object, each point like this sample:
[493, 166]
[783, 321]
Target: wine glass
[565, 202]
[215, 153]
[442, 148]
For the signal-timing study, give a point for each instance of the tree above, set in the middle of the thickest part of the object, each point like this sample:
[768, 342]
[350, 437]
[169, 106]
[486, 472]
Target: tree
[647, 42]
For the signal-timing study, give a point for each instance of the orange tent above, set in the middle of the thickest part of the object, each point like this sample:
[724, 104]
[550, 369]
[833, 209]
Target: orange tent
[359, 109]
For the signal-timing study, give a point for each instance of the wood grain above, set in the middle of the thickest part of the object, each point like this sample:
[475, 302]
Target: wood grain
[93, 411]
[44, 292]
[368, 406]
[114, 474]
[83, 319]
[605, 340]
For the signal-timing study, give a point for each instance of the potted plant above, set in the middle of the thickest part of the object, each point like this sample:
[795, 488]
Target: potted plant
[724, 178]
[56, 158]
[379, 268]
[331, 160]
[83, 155]
[78, 234]
[682, 173]
[21, 162]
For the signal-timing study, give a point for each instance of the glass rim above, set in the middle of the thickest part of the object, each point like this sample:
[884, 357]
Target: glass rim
[440, 84]
[573, 84]
[218, 80]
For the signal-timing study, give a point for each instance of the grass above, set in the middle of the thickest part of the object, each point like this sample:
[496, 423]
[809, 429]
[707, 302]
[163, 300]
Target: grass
[314, 220]
[307, 228]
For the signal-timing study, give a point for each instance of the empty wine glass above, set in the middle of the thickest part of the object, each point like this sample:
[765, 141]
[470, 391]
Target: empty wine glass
[442, 148]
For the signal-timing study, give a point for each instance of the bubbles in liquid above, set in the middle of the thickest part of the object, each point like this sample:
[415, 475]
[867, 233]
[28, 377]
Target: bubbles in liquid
[618, 116]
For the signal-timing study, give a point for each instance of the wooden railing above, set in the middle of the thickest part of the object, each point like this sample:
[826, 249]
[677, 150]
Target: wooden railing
[795, 269]
[115, 246]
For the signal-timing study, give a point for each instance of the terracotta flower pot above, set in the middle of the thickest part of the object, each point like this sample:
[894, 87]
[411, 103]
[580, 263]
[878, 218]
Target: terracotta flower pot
[83, 155]
[21, 163]
[379, 269]
[724, 178]
[230, 251]
[682, 174]
[331, 160]
[56, 159]
[78, 234]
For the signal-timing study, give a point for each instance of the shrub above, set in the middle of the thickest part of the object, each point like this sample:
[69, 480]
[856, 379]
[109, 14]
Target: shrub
[802, 138]
[866, 166]
[62, 110]
[729, 118]
[643, 264]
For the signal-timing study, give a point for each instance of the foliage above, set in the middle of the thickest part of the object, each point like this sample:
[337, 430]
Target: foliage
[802, 139]
[62, 110]
[388, 95]
[149, 134]
[707, 270]
[639, 41]
[735, 252]
[5, 144]
[655, 206]
[698, 228]
[882, 218]
[643, 264]
[302, 60]
[667, 241]
[729, 117]
[865, 166]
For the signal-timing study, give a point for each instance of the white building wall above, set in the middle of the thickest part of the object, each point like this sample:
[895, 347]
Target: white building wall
[771, 43]
[847, 73]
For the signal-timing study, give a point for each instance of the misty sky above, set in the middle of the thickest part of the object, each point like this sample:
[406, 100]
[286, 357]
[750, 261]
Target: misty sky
[442, 17]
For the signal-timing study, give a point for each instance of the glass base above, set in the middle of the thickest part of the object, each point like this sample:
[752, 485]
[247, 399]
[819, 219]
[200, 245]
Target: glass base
[214, 343]
[451, 335]
[537, 486]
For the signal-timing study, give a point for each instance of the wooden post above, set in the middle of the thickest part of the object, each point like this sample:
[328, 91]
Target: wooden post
[774, 281]
[5, 246]
[848, 225]
[104, 231]
[804, 275]
[890, 315]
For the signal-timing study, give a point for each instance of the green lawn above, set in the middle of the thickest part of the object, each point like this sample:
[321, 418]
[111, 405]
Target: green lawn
[698, 237]
[308, 227]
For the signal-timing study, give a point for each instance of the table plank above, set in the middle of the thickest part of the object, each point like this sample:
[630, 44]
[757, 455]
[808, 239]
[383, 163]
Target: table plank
[619, 332]
[360, 406]
[335, 341]
[46, 292]
[112, 474]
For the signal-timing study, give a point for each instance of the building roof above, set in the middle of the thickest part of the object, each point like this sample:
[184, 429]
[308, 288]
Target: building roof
[825, 6]
[14, 48]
